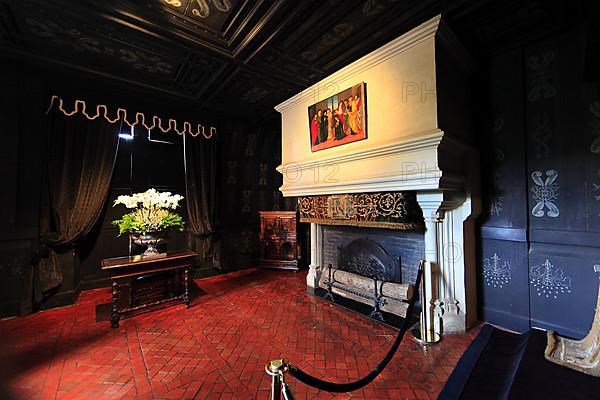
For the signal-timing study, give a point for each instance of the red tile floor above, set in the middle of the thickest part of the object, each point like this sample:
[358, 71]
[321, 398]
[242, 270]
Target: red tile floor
[216, 349]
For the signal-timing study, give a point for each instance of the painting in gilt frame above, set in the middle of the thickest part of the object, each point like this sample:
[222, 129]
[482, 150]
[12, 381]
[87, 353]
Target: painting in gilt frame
[339, 119]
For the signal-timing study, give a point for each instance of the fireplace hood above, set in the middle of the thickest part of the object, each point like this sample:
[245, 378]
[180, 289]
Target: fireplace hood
[419, 133]
[417, 104]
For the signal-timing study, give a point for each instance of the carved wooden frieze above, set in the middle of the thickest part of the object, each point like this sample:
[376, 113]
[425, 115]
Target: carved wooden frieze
[394, 210]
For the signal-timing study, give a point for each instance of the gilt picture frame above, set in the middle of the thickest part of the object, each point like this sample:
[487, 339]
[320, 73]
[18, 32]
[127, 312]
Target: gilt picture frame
[338, 119]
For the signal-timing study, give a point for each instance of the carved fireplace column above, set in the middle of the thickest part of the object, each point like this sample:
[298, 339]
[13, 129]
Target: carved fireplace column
[451, 258]
[312, 279]
[430, 203]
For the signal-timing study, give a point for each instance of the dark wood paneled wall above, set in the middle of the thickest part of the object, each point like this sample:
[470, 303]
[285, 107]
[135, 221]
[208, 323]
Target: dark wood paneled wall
[249, 183]
[540, 247]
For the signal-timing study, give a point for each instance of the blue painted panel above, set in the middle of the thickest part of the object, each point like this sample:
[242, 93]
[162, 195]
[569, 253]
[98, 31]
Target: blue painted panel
[503, 147]
[591, 137]
[556, 147]
[563, 287]
[543, 144]
[504, 289]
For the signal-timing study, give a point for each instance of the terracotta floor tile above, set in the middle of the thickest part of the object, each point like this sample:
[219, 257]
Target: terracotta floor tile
[216, 349]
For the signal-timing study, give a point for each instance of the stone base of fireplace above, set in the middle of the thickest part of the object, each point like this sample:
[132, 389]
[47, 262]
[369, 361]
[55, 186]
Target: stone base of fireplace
[453, 319]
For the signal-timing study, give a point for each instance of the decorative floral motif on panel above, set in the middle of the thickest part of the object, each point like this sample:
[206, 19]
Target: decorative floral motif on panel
[497, 201]
[545, 193]
[541, 85]
[82, 42]
[200, 8]
[263, 173]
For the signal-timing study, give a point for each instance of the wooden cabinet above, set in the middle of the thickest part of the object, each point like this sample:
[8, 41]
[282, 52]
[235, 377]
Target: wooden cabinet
[278, 240]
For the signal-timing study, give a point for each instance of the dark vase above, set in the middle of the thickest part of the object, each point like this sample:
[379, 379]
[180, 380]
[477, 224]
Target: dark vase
[150, 240]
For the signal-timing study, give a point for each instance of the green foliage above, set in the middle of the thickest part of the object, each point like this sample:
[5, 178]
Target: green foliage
[150, 212]
[172, 221]
[137, 222]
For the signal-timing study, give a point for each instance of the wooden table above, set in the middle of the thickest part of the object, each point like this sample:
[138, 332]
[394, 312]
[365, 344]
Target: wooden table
[127, 268]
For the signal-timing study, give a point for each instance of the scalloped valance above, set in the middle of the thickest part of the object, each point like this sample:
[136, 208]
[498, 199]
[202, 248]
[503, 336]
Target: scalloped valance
[80, 107]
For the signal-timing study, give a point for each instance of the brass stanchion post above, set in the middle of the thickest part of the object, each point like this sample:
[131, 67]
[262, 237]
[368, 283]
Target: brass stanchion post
[273, 368]
[424, 334]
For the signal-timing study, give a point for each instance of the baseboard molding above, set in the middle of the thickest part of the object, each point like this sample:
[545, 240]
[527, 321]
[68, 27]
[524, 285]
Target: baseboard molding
[503, 319]
[562, 331]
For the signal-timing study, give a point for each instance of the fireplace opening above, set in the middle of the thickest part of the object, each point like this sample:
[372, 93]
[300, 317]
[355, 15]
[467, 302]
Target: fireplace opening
[368, 258]
[363, 258]
[399, 251]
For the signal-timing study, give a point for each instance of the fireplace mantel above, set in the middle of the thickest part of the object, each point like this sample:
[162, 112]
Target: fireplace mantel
[409, 163]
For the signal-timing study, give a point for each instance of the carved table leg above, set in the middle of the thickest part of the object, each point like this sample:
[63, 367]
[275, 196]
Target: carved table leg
[114, 317]
[131, 294]
[186, 284]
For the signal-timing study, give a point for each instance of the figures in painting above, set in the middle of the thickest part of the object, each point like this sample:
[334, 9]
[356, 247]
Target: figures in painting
[346, 107]
[338, 119]
[340, 124]
[353, 118]
[330, 125]
[322, 121]
[314, 130]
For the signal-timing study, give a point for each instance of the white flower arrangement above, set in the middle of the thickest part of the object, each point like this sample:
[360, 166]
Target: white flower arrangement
[151, 212]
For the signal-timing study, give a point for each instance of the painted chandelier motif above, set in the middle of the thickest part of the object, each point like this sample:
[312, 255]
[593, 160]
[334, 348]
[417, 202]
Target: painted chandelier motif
[496, 272]
[549, 281]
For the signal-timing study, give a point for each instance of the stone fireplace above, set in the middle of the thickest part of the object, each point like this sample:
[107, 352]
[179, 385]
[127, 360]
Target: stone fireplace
[418, 147]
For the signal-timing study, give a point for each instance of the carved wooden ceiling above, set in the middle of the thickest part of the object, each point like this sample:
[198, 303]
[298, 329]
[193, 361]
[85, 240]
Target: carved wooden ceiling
[240, 56]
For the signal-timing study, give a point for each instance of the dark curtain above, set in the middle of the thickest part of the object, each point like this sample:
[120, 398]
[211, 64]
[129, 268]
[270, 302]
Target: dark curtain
[80, 160]
[201, 192]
